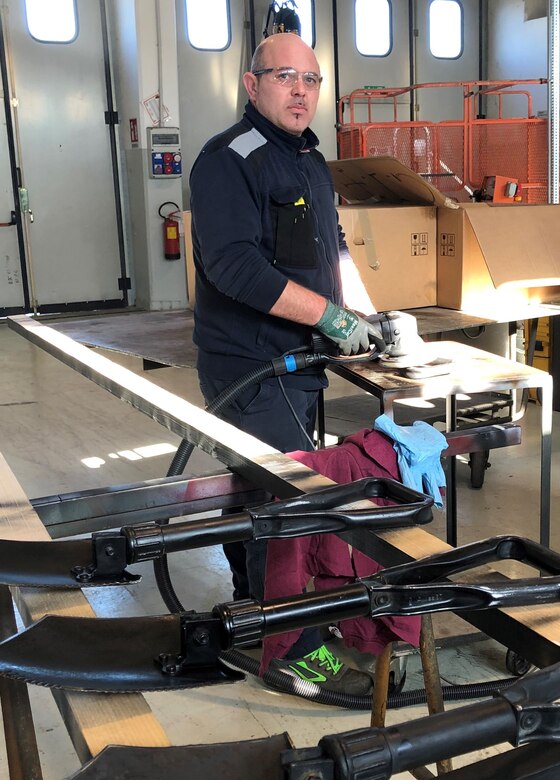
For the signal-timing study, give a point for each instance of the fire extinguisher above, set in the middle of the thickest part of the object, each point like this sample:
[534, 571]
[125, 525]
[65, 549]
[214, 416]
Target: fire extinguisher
[171, 244]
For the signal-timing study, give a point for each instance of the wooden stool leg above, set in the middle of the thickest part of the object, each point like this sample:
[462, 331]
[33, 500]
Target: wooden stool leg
[381, 687]
[432, 680]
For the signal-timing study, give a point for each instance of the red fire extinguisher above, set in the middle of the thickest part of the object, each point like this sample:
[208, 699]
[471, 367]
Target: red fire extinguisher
[171, 244]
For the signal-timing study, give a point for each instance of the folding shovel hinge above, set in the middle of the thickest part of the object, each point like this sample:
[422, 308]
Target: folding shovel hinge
[110, 558]
[201, 644]
[201, 639]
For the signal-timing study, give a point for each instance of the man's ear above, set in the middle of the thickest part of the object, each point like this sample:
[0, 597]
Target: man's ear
[250, 84]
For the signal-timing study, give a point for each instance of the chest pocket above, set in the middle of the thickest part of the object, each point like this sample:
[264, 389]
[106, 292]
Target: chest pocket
[294, 231]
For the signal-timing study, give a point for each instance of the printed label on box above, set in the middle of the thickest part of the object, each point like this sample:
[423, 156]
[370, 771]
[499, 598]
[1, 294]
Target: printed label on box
[418, 244]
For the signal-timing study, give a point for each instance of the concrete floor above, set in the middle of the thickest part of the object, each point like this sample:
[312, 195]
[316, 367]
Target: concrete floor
[60, 432]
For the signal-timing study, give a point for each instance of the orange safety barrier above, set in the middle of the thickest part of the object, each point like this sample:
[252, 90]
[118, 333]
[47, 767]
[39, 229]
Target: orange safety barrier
[455, 154]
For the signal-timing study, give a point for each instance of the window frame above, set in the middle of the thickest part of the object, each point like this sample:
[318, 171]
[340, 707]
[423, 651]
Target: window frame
[462, 31]
[390, 49]
[205, 48]
[50, 42]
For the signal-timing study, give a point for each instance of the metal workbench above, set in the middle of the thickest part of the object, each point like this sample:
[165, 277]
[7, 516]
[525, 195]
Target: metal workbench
[165, 337]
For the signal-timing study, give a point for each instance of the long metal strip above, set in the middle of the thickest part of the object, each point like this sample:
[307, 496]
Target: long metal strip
[116, 505]
[257, 462]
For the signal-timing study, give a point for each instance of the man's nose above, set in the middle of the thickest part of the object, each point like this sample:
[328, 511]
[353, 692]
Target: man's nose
[299, 87]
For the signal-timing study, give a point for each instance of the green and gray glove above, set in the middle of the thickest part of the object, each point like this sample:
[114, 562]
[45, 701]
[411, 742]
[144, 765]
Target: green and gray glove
[349, 331]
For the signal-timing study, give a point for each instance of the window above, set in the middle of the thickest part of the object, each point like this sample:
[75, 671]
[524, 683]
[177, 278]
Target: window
[306, 12]
[208, 24]
[372, 22]
[446, 29]
[52, 21]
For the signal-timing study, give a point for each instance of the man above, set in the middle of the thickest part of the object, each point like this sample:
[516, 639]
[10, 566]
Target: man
[268, 253]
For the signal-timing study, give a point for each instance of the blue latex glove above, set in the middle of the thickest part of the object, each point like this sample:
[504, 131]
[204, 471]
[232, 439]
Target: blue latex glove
[418, 447]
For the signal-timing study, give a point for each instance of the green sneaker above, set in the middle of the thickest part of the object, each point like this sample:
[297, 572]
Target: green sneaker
[327, 671]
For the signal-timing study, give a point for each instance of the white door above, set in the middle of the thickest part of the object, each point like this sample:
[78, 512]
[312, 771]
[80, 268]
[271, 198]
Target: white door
[63, 159]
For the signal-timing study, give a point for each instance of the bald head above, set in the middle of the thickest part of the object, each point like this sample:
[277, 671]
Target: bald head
[289, 106]
[277, 42]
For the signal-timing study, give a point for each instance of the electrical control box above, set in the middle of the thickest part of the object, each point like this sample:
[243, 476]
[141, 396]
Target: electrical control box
[164, 151]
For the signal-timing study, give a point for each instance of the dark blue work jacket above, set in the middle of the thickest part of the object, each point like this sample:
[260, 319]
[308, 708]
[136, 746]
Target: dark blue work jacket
[263, 212]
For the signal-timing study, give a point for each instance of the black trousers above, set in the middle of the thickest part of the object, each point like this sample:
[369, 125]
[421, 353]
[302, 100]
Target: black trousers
[263, 411]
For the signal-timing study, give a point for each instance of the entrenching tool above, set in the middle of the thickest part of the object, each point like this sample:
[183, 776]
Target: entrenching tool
[102, 560]
[183, 650]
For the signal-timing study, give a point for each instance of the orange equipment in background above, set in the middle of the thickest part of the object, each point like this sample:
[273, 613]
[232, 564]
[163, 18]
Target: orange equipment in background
[499, 189]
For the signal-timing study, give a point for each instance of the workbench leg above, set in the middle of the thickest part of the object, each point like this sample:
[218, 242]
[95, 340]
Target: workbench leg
[19, 731]
[546, 457]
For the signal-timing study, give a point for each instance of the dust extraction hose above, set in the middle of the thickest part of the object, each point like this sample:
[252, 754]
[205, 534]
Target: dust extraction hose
[313, 692]
[285, 364]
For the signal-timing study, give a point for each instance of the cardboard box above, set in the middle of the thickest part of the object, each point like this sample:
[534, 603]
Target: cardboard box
[395, 253]
[542, 363]
[390, 224]
[491, 256]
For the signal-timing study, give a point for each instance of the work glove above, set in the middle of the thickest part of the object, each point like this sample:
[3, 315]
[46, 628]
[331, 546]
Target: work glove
[350, 332]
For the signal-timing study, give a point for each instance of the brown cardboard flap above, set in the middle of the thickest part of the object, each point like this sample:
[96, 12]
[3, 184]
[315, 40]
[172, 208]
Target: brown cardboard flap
[384, 180]
[521, 244]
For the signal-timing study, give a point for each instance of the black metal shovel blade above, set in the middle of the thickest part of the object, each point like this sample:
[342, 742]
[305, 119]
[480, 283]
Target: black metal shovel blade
[103, 654]
[53, 565]
[254, 758]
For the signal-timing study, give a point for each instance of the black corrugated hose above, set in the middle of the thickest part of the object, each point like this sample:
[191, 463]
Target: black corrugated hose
[308, 690]
[184, 451]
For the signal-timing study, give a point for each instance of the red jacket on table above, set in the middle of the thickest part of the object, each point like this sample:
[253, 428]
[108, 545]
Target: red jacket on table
[327, 559]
